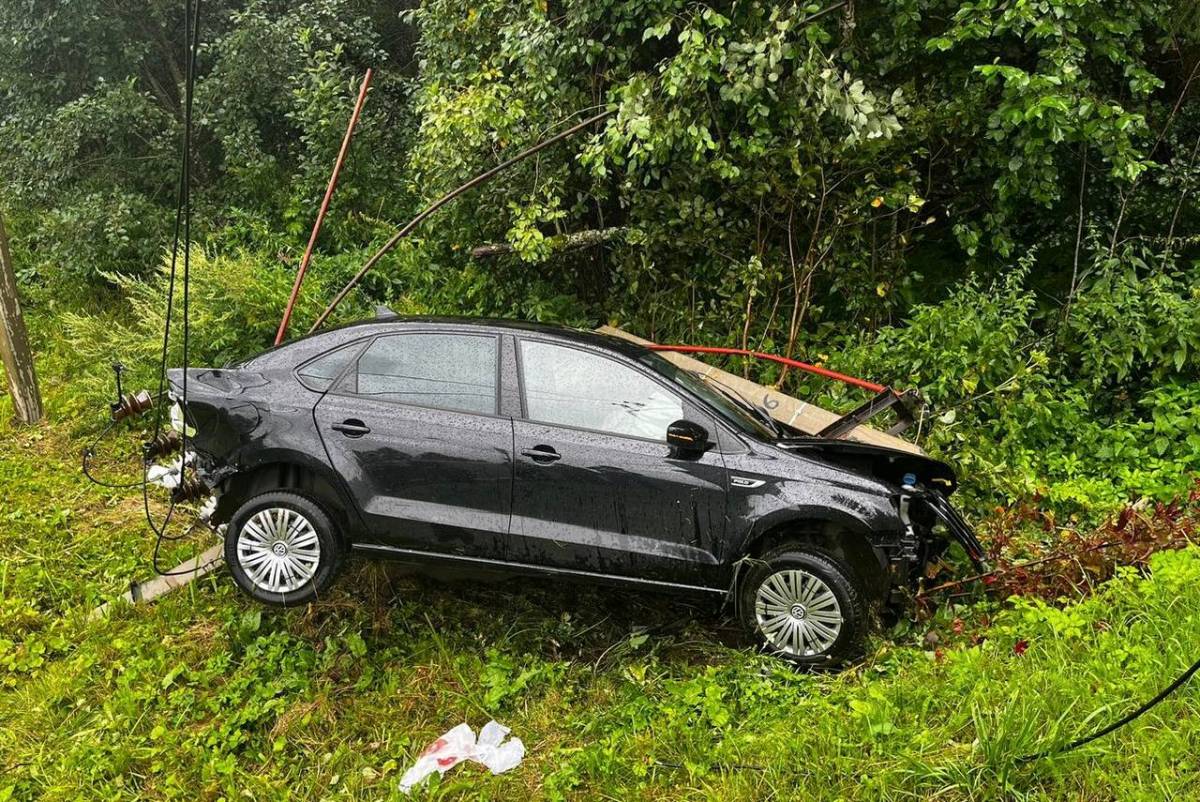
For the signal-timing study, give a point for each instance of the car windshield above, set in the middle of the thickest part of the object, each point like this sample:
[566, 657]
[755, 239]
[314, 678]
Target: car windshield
[734, 408]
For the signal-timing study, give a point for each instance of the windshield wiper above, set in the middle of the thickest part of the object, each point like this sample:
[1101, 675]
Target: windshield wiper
[757, 410]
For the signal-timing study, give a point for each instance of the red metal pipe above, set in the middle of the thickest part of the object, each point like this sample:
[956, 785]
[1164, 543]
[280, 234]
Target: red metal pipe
[828, 374]
[316, 230]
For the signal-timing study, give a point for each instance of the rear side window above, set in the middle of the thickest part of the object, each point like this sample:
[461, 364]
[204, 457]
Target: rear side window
[571, 387]
[318, 374]
[446, 371]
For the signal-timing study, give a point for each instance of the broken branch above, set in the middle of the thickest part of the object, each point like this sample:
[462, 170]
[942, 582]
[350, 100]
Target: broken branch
[561, 242]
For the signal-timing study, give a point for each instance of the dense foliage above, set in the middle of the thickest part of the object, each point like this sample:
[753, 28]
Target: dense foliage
[91, 120]
[994, 202]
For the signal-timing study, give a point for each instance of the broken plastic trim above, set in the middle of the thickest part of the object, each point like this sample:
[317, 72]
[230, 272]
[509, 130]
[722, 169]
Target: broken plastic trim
[958, 527]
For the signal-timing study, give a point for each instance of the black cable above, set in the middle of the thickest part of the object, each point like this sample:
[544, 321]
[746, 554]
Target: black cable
[192, 34]
[183, 217]
[1121, 722]
[179, 198]
[166, 340]
[87, 456]
[187, 225]
[89, 453]
[158, 546]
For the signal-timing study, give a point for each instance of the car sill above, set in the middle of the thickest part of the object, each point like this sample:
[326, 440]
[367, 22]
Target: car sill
[397, 553]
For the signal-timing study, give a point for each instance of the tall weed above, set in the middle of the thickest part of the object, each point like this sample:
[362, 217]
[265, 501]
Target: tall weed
[236, 301]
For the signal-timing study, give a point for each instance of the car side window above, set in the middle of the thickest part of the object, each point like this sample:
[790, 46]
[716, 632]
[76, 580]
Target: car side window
[318, 374]
[445, 371]
[572, 387]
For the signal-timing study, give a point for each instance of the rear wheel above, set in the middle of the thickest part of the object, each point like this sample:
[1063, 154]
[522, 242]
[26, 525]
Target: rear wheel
[805, 606]
[282, 549]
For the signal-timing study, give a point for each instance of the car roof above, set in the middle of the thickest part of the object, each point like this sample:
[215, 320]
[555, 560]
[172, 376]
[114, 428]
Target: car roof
[585, 336]
[388, 321]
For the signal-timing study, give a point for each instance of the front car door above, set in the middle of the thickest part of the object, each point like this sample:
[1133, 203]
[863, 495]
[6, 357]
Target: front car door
[596, 487]
[413, 426]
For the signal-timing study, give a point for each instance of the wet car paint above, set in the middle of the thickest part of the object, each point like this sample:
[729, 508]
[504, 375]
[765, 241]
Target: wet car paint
[617, 505]
[447, 476]
[429, 484]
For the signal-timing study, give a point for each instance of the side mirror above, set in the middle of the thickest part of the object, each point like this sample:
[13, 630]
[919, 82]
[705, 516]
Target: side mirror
[687, 439]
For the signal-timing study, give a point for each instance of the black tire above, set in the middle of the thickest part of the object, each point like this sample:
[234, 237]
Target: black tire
[302, 584]
[811, 649]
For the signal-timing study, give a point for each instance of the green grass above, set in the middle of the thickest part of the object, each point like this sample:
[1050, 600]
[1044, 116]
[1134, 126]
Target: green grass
[204, 694]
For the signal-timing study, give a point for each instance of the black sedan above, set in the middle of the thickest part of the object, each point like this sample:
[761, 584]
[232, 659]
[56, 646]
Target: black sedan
[539, 449]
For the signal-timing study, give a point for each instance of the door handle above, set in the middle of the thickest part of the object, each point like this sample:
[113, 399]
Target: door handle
[542, 454]
[351, 427]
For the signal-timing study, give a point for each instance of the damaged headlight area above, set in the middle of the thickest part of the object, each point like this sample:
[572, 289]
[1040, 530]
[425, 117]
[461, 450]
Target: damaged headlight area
[922, 508]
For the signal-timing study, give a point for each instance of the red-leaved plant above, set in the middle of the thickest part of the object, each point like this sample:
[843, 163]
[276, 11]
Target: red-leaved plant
[1073, 563]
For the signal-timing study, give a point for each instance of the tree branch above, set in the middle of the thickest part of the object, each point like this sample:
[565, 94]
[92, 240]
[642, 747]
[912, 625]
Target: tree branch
[560, 242]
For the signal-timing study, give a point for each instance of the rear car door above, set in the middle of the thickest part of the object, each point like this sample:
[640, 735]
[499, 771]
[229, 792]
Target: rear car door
[413, 426]
[596, 487]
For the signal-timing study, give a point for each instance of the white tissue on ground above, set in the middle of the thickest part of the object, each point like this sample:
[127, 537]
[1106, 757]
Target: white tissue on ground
[460, 744]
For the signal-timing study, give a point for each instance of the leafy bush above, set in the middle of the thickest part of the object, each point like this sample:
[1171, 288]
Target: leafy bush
[1018, 422]
[1133, 326]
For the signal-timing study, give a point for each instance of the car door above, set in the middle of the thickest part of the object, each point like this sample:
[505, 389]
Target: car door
[596, 487]
[413, 427]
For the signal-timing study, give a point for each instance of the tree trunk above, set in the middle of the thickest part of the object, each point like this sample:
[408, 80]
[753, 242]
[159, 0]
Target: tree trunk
[14, 342]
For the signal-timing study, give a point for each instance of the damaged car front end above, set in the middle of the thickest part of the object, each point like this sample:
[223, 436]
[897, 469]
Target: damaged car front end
[918, 489]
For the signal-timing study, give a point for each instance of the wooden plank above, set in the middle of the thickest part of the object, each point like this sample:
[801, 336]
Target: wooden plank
[177, 577]
[14, 342]
[801, 415]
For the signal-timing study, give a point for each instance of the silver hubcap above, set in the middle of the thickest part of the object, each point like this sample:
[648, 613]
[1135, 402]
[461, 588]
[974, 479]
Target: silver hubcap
[279, 550]
[797, 613]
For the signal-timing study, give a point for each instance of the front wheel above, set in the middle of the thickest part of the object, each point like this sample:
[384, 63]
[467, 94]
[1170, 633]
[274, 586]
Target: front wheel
[281, 549]
[804, 606]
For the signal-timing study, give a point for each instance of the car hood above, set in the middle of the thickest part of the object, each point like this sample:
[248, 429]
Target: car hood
[888, 464]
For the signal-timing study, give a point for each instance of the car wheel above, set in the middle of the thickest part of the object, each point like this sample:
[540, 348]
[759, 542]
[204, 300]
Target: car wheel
[282, 549]
[804, 606]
